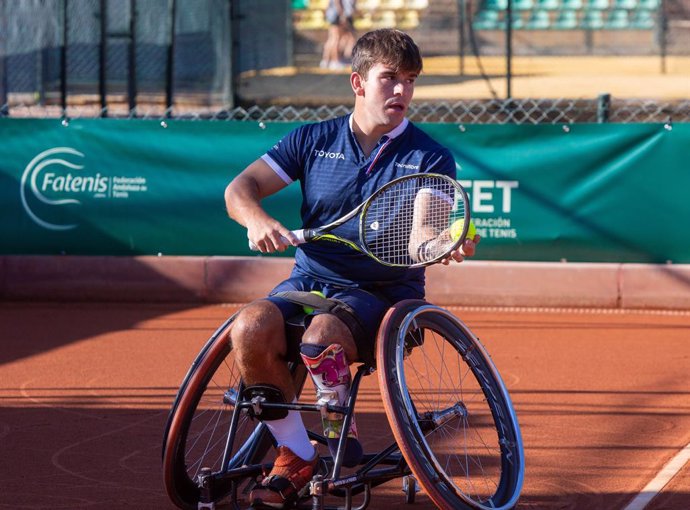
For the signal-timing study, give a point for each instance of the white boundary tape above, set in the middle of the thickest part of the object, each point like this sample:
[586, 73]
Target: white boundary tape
[664, 476]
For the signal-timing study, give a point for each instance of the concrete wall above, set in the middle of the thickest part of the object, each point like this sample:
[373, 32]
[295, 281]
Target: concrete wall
[241, 279]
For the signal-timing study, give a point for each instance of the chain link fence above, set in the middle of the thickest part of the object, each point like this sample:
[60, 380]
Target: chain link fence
[493, 111]
[136, 51]
[184, 59]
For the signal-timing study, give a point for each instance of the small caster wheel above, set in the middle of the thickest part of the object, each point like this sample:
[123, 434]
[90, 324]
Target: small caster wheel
[410, 488]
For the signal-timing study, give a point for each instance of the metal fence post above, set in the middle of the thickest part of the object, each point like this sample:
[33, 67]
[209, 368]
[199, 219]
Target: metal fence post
[4, 106]
[509, 49]
[63, 59]
[132, 60]
[234, 12]
[170, 64]
[102, 57]
[661, 31]
[462, 16]
[603, 108]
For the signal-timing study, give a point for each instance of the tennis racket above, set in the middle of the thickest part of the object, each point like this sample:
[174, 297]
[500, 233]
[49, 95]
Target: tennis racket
[412, 221]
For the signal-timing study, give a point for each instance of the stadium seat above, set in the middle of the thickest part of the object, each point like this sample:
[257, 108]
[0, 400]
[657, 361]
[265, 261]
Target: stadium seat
[320, 5]
[298, 5]
[548, 5]
[408, 19]
[417, 4]
[592, 5]
[311, 20]
[649, 5]
[566, 20]
[592, 20]
[643, 19]
[617, 19]
[487, 20]
[518, 22]
[538, 20]
[392, 4]
[364, 22]
[571, 5]
[495, 5]
[624, 4]
[367, 5]
[523, 5]
[384, 19]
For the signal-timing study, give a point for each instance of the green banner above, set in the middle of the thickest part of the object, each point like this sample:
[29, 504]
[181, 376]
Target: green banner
[583, 192]
[600, 192]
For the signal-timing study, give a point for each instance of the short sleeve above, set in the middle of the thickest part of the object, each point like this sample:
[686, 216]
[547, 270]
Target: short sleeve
[442, 162]
[286, 157]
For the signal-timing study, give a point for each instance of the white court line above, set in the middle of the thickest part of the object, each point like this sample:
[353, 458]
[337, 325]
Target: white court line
[664, 476]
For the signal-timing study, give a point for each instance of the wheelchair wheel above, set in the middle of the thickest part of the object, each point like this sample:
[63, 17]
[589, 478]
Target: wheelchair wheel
[449, 409]
[198, 428]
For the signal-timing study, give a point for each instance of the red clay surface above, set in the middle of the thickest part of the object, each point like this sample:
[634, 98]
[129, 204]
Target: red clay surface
[603, 401]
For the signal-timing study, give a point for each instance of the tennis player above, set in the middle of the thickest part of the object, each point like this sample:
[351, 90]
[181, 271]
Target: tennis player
[338, 164]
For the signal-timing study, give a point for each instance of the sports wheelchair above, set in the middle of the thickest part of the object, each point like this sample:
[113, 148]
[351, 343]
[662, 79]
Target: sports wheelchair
[455, 431]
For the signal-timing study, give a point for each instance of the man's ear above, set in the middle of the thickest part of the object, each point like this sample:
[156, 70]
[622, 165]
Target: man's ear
[357, 84]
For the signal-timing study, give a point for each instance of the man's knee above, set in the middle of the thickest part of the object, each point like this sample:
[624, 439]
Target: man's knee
[258, 327]
[326, 329]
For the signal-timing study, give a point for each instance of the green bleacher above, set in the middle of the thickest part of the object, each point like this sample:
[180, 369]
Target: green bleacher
[403, 14]
[568, 15]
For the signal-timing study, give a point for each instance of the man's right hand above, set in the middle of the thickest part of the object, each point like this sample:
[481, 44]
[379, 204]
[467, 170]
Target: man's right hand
[243, 202]
[270, 236]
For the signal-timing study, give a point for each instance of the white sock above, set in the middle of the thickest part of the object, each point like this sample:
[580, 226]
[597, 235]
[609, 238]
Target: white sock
[290, 432]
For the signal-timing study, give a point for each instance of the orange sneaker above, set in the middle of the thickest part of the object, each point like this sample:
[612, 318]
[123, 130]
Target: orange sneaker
[286, 482]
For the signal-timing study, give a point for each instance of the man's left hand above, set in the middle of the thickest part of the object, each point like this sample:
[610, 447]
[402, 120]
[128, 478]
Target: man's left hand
[466, 249]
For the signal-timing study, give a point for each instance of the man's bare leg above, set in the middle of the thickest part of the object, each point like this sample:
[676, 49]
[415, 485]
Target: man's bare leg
[327, 348]
[258, 337]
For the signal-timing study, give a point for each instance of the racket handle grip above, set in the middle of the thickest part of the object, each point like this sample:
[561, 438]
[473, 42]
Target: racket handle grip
[299, 234]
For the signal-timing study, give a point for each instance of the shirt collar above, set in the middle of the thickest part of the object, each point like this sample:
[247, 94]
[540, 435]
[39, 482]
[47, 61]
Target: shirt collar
[393, 133]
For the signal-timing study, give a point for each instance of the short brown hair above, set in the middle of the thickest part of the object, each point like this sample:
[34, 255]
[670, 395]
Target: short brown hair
[387, 46]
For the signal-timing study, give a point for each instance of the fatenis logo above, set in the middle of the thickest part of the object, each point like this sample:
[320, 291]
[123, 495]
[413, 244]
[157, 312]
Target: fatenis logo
[56, 179]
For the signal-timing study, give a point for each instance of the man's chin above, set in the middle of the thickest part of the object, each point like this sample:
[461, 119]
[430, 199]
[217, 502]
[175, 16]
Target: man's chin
[394, 115]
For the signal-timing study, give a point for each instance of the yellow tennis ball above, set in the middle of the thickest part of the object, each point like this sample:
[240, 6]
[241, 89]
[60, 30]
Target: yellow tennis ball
[308, 309]
[456, 230]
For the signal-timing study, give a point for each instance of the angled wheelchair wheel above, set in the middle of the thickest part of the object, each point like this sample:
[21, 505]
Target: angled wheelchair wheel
[198, 433]
[448, 408]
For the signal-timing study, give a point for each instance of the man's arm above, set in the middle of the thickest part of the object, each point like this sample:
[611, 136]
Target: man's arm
[243, 202]
[426, 226]
[427, 231]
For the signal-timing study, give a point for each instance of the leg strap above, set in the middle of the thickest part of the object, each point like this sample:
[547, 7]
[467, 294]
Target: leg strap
[341, 310]
[260, 394]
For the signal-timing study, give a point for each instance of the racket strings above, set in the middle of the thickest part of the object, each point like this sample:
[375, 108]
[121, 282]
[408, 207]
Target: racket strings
[408, 223]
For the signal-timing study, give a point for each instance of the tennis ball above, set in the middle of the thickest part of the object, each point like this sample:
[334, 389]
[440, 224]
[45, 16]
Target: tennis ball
[456, 230]
[308, 309]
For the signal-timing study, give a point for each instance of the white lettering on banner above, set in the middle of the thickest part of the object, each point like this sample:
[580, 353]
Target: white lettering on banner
[70, 183]
[54, 179]
[485, 198]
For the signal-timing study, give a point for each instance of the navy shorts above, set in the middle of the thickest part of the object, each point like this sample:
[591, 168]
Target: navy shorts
[369, 306]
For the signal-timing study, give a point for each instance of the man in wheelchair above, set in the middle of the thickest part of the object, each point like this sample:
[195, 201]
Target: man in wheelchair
[339, 163]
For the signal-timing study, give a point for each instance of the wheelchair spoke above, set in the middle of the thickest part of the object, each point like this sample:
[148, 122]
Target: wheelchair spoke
[449, 410]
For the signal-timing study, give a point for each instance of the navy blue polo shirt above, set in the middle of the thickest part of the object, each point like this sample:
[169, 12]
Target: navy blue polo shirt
[336, 176]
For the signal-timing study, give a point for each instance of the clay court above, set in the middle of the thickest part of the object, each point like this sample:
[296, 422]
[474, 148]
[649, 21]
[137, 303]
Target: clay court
[601, 396]
[601, 393]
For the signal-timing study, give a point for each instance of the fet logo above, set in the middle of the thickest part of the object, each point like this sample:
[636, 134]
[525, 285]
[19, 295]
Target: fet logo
[50, 172]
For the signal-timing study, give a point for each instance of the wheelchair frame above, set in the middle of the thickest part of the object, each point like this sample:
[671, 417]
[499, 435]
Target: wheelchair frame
[411, 456]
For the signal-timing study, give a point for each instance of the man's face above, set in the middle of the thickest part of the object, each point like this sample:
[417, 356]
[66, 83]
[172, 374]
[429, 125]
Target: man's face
[388, 94]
